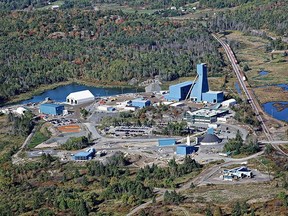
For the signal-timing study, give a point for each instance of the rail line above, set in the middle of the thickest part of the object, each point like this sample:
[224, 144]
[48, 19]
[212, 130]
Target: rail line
[241, 79]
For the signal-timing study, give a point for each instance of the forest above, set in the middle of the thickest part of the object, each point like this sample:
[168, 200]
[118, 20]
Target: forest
[88, 4]
[268, 15]
[45, 47]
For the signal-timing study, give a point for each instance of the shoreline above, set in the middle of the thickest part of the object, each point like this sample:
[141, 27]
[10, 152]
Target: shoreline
[42, 88]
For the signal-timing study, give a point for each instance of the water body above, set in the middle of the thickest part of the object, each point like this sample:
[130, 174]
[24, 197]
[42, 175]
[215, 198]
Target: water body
[272, 110]
[263, 73]
[60, 93]
[237, 87]
[284, 86]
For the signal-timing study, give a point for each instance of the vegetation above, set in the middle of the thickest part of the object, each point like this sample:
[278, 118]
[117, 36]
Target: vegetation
[164, 177]
[172, 197]
[255, 14]
[76, 143]
[41, 135]
[236, 146]
[104, 46]
[245, 114]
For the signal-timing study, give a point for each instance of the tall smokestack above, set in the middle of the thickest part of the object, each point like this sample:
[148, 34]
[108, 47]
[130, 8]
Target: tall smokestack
[188, 140]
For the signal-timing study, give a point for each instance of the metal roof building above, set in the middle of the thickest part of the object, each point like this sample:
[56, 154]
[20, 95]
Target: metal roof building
[140, 102]
[166, 142]
[201, 92]
[88, 155]
[204, 115]
[210, 139]
[179, 91]
[185, 149]
[51, 109]
[80, 97]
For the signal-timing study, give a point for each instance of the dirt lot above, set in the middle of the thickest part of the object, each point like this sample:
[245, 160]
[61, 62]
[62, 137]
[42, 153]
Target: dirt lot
[69, 128]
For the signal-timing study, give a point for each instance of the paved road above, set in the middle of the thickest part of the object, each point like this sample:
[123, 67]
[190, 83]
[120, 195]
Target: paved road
[199, 179]
[243, 83]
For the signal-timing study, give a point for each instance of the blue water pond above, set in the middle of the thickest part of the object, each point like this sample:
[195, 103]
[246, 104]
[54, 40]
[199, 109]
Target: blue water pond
[59, 94]
[272, 110]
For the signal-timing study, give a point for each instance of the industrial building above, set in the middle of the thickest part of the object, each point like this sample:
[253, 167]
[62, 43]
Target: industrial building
[166, 142]
[197, 91]
[200, 91]
[204, 115]
[185, 149]
[80, 97]
[179, 91]
[229, 103]
[51, 109]
[87, 155]
[106, 108]
[239, 172]
[140, 103]
[210, 139]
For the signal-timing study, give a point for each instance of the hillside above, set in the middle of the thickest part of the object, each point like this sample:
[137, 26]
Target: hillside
[44, 47]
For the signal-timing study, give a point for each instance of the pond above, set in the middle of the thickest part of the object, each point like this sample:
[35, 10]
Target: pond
[60, 93]
[263, 73]
[278, 110]
[237, 87]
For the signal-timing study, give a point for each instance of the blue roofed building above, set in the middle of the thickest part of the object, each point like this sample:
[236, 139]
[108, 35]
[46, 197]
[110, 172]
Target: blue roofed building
[201, 92]
[185, 149]
[51, 109]
[166, 142]
[179, 91]
[140, 103]
[87, 155]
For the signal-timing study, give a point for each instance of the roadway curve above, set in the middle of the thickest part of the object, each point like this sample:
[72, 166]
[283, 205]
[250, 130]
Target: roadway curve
[254, 104]
[198, 180]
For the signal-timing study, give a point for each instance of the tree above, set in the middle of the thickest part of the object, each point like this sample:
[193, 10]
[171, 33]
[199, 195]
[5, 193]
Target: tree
[154, 199]
[208, 212]
[236, 210]
[85, 181]
[217, 211]
[82, 209]
[76, 173]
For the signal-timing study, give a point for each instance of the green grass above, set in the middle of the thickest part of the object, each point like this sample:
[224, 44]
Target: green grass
[37, 139]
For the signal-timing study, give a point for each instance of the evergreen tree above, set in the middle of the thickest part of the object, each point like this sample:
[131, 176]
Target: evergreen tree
[236, 210]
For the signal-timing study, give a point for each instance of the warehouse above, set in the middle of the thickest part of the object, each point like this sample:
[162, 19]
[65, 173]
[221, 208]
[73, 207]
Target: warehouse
[87, 155]
[80, 97]
[185, 149]
[51, 109]
[166, 142]
[140, 103]
[179, 91]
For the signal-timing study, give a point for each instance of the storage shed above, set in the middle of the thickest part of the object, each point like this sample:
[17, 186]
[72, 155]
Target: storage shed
[185, 150]
[166, 142]
[80, 97]
[51, 109]
[140, 102]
